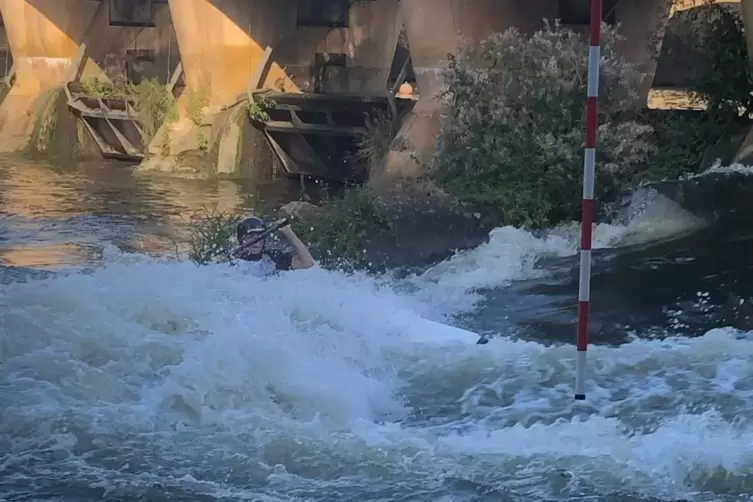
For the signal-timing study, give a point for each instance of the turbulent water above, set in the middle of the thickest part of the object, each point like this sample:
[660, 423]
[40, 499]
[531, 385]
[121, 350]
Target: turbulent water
[129, 374]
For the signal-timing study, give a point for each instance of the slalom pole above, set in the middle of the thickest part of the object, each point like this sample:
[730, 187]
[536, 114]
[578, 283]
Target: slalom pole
[587, 206]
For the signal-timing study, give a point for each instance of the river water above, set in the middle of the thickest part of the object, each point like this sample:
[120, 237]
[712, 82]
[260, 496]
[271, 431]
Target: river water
[129, 373]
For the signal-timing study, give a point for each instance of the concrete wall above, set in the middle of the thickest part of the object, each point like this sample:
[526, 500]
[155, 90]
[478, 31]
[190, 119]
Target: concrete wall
[223, 41]
[642, 24]
[132, 52]
[744, 154]
[6, 60]
[222, 47]
[747, 14]
[678, 66]
[367, 43]
[45, 37]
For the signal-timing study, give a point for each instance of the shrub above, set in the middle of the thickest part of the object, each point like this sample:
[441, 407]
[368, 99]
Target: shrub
[373, 146]
[343, 230]
[153, 102]
[211, 235]
[514, 128]
[339, 231]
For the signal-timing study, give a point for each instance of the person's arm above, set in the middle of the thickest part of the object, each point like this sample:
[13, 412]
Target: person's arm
[302, 258]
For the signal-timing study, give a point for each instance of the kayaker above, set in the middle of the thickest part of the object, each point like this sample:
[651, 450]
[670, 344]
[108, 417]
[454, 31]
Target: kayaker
[270, 261]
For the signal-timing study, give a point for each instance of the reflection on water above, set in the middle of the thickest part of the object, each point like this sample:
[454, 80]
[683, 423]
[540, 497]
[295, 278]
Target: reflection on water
[54, 217]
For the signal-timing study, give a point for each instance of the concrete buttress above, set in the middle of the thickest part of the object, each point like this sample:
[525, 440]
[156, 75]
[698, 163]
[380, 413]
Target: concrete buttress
[222, 44]
[44, 38]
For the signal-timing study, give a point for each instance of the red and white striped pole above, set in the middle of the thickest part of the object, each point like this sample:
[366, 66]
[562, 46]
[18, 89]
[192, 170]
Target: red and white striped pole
[587, 209]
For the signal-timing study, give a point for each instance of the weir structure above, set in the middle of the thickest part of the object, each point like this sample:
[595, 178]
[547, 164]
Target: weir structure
[278, 86]
[60, 45]
[264, 86]
[129, 42]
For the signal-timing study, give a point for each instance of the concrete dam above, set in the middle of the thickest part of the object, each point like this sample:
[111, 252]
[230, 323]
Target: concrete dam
[327, 67]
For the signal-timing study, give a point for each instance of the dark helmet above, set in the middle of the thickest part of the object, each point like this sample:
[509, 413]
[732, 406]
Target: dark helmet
[252, 225]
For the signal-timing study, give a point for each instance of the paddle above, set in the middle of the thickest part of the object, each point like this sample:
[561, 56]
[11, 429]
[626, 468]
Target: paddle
[271, 229]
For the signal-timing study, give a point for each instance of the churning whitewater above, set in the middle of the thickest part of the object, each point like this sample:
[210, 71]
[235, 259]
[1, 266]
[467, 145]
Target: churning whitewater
[152, 377]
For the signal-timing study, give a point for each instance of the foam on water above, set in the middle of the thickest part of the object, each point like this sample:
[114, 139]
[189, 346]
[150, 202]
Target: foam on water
[148, 374]
[650, 216]
[718, 168]
[512, 254]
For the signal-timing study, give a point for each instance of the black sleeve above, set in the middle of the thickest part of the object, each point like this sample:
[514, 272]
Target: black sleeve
[282, 260]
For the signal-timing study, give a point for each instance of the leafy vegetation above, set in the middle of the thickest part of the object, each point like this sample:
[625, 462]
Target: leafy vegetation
[152, 101]
[258, 108]
[374, 144]
[344, 228]
[211, 235]
[513, 134]
[198, 100]
[512, 137]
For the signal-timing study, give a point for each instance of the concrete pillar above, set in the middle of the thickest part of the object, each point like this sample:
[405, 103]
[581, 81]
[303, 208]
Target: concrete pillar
[369, 42]
[222, 46]
[642, 24]
[432, 34]
[222, 42]
[44, 37]
[434, 28]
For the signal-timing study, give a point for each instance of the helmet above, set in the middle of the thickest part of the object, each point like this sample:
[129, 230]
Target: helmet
[248, 226]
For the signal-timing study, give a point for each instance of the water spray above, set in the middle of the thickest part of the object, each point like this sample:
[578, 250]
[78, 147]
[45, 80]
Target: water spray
[588, 206]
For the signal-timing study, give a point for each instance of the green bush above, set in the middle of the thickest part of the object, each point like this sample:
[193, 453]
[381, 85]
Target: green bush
[343, 229]
[211, 235]
[339, 232]
[373, 146]
[683, 140]
[153, 103]
[513, 133]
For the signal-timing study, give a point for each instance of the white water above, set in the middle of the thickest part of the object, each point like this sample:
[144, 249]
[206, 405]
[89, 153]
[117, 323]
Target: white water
[202, 379]
[718, 168]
